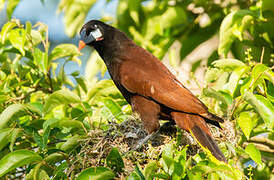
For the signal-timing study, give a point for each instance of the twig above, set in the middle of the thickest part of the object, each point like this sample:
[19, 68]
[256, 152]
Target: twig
[262, 56]
[262, 140]
[50, 81]
[261, 147]
[22, 97]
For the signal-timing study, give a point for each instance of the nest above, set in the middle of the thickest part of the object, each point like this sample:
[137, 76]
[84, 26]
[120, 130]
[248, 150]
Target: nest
[125, 136]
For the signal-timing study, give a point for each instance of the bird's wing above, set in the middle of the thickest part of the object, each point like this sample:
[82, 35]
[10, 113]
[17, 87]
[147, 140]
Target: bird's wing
[142, 73]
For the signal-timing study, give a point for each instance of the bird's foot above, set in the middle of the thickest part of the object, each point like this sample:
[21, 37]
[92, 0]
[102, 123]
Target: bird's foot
[143, 141]
[166, 126]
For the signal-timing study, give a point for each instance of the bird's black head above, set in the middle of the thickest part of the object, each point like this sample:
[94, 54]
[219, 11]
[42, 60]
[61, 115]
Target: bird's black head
[105, 39]
[92, 32]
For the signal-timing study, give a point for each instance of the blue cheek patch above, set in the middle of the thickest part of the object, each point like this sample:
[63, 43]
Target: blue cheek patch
[87, 39]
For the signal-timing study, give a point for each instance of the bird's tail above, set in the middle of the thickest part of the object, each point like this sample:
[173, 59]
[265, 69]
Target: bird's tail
[197, 126]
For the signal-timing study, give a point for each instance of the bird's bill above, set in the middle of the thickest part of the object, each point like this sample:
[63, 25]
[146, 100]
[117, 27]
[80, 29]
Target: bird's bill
[81, 45]
[93, 36]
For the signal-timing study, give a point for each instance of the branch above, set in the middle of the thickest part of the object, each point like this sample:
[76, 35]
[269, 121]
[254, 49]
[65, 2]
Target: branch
[262, 140]
[22, 97]
[50, 81]
[261, 147]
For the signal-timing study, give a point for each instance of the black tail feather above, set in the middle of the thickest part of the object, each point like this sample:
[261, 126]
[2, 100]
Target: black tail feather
[207, 141]
[213, 117]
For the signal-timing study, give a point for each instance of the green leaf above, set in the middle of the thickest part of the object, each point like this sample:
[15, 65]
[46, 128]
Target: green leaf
[55, 157]
[194, 38]
[245, 123]
[228, 172]
[234, 78]
[82, 83]
[124, 19]
[167, 160]
[17, 159]
[14, 135]
[263, 106]
[41, 59]
[39, 141]
[232, 27]
[71, 143]
[50, 122]
[174, 16]
[221, 96]
[193, 176]
[254, 153]
[133, 176]
[17, 38]
[11, 5]
[38, 174]
[228, 64]
[259, 72]
[61, 97]
[4, 137]
[134, 8]
[68, 123]
[139, 172]
[75, 14]
[150, 170]
[97, 173]
[75, 73]
[61, 123]
[33, 109]
[65, 50]
[28, 27]
[16, 110]
[78, 114]
[114, 108]
[5, 30]
[45, 136]
[9, 113]
[104, 88]
[212, 74]
[115, 161]
[213, 176]
[36, 37]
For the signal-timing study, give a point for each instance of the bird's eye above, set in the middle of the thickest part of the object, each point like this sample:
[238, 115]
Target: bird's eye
[89, 36]
[86, 36]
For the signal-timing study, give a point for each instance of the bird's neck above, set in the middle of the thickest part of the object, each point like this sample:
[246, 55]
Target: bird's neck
[112, 46]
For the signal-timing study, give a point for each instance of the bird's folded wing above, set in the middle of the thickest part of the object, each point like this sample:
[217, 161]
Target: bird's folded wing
[148, 77]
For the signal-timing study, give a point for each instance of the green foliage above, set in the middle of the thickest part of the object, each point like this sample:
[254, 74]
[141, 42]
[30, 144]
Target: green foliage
[233, 27]
[254, 153]
[98, 173]
[174, 164]
[17, 159]
[242, 94]
[75, 13]
[115, 161]
[40, 115]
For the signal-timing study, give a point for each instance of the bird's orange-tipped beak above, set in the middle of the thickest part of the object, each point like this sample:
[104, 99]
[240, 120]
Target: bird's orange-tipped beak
[81, 45]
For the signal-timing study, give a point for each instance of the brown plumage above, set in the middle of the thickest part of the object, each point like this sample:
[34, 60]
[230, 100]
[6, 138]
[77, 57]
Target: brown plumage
[151, 89]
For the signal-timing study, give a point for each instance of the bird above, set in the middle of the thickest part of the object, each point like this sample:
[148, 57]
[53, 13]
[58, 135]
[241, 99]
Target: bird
[148, 85]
